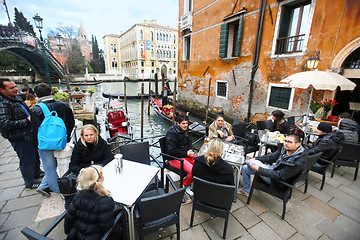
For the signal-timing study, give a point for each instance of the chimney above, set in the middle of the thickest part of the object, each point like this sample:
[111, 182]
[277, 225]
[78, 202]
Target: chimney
[153, 22]
[145, 22]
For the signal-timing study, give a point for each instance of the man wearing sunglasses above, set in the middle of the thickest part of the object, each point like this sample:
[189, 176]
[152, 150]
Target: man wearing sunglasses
[283, 164]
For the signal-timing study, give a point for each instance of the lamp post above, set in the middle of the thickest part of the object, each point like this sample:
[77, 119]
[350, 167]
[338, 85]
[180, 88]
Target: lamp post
[312, 62]
[38, 23]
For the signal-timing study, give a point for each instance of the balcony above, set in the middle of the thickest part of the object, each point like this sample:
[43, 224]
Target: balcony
[186, 21]
[290, 44]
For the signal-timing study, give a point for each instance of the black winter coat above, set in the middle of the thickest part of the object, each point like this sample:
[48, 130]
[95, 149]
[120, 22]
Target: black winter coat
[63, 110]
[328, 144]
[13, 119]
[89, 216]
[285, 167]
[347, 127]
[178, 142]
[284, 127]
[221, 172]
[84, 156]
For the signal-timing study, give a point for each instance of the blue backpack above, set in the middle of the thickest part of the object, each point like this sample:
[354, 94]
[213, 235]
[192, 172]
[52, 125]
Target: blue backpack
[52, 131]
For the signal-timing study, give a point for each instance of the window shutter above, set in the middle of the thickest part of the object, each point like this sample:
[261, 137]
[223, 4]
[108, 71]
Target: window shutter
[223, 40]
[238, 37]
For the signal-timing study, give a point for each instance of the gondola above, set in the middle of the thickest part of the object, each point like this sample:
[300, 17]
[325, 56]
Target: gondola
[166, 113]
[117, 122]
[121, 95]
[81, 83]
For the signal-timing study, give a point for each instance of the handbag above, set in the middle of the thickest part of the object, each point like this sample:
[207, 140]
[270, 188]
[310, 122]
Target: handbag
[67, 184]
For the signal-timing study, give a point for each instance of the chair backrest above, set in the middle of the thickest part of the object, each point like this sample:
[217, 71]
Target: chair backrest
[162, 142]
[136, 152]
[157, 207]
[310, 161]
[239, 129]
[349, 151]
[213, 194]
[291, 120]
[262, 125]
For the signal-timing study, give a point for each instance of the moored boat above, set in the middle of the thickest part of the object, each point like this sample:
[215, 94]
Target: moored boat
[81, 83]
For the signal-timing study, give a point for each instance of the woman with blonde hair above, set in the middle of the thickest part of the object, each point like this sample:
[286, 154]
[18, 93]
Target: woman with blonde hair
[90, 149]
[212, 167]
[91, 213]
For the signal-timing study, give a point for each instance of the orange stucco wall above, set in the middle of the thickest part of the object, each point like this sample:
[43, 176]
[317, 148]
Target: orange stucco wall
[326, 35]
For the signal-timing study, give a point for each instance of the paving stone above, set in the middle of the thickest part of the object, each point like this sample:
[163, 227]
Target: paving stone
[236, 206]
[349, 176]
[269, 201]
[322, 195]
[282, 228]
[2, 204]
[3, 217]
[262, 231]
[302, 225]
[215, 227]
[308, 214]
[349, 191]
[194, 233]
[324, 237]
[300, 195]
[3, 235]
[21, 203]
[20, 218]
[12, 183]
[11, 193]
[322, 208]
[15, 234]
[257, 206]
[348, 225]
[246, 217]
[333, 231]
[9, 167]
[185, 216]
[345, 209]
[342, 196]
[355, 186]
[298, 236]
[10, 175]
[247, 236]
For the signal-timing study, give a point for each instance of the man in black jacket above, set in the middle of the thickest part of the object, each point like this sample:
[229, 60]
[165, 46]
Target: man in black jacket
[43, 92]
[283, 164]
[15, 126]
[179, 144]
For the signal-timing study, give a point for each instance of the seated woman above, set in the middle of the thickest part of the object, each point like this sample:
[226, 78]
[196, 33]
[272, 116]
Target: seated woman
[278, 123]
[30, 100]
[90, 149]
[212, 167]
[91, 213]
[221, 129]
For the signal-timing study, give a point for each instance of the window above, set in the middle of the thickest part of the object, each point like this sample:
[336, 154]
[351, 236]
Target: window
[174, 71]
[152, 71]
[187, 45]
[114, 63]
[152, 36]
[293, 26]
[157, 36]
[142, 71]
[113, 48]
[280, 96]
[187, 6]
[174, 65]
[174, 55]
[152, 64]
[142, 64]
[152, 53]
[221, 89]
[174, 38]
[141, 35]
[230, 38]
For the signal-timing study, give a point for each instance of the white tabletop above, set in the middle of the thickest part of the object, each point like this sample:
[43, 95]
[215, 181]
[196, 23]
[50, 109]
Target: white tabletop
[127, 186]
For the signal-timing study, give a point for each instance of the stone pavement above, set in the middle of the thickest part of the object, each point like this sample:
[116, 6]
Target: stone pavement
[333, 213]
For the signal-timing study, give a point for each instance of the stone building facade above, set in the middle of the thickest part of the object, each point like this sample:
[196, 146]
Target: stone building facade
[246, 50]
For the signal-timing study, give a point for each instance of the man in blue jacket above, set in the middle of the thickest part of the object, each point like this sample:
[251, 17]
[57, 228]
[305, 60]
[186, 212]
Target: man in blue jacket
[15, 126]
[283, 164]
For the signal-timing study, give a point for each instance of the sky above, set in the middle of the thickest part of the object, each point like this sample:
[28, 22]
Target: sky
[98, 17]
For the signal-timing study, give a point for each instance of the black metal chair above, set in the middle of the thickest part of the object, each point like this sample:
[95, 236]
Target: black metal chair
[160, 209]
[246, 139]
[32, 235]
[349, 156]
[212, 198]
[322, 165]
[282, 189]
[139, 152]
[166, 158]
[262, 125]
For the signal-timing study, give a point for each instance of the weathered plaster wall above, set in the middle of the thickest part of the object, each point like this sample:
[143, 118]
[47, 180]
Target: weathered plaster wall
[205, 38]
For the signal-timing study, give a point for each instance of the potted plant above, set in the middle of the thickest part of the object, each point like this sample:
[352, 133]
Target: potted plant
[90, 90]
[314, 106]
[61, 96]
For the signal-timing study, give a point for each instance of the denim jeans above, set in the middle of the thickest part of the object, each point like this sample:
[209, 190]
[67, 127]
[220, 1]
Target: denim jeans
[49, 164]
[247, 172]
[26, 153]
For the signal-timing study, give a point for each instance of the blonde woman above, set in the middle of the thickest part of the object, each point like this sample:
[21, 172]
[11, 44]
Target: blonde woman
[90, 149]
[91, 213]
[212, 167]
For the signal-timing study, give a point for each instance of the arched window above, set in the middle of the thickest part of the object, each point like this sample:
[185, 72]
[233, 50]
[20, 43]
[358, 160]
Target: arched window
[114, 63]
[157, 54]
[152, 36]
[167, 37]
[152, 53]
[174, 55]
[157, 36]
[141, 35]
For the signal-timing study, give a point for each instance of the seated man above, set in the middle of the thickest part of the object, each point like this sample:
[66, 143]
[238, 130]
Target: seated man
[179, 144]
[328, 143]
[348, 127]
[283, 164]
[221, 129]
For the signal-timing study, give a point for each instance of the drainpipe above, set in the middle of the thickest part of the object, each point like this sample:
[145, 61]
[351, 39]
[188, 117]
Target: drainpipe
[255, 64]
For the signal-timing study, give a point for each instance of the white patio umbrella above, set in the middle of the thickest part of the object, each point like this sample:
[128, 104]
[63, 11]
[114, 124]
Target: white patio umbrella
[320, 80]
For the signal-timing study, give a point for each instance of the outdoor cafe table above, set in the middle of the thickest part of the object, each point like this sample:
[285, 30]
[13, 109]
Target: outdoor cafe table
[234, 155]
[268, 138]
[127, 186]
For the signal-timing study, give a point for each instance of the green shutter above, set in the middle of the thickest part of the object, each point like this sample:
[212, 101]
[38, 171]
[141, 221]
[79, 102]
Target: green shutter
[223, 40]
[238, 37]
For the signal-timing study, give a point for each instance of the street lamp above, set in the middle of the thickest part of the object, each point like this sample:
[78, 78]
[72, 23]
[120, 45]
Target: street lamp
[39, 24]
[312, 62]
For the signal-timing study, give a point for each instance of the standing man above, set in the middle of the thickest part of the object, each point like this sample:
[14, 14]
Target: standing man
[43, 91]
[283, 164]
[178, 144]
[15, 126]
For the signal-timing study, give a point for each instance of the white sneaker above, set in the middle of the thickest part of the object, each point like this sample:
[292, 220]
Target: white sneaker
[189, 191]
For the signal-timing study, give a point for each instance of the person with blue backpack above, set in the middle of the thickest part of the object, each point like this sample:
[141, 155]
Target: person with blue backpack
[52, 124]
